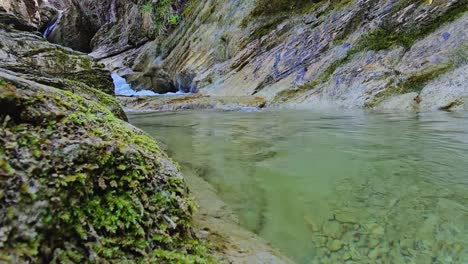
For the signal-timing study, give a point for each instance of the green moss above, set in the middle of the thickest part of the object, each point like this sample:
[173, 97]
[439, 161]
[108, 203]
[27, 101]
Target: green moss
[387, 36]
[95, 95]
[105, 188]
[414, 83]
[190, 8]
[417, 81]
[274, 7]
[273, 13]
[401, 4]
[460, 55]
[267, 26]
[452, 105]
[92, 78]
[87, 63]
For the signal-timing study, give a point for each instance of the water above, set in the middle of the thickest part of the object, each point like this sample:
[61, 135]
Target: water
[123, 88]
[333, 187]
[50, 28]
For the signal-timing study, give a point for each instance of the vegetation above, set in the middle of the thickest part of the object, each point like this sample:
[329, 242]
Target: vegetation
[81, 186]
[414, 83]
[387, 36]
[163, 13]
[272, 13]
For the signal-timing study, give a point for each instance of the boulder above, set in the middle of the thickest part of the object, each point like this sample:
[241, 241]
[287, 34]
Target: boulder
[22, 14]
[30, 55]
[77, 184]
[154, 79]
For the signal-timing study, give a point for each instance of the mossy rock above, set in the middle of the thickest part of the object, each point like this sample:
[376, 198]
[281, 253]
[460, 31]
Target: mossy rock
[78, 185]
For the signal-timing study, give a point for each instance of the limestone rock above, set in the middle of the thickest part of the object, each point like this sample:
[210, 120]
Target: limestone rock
[404, 102]
[22, 14]
[448, 92]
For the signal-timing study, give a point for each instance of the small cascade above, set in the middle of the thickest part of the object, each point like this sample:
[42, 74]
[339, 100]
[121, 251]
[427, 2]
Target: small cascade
[50, 28]
[122, 88]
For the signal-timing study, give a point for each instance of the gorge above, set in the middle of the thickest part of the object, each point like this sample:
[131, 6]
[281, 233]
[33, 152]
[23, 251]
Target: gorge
[306, 131]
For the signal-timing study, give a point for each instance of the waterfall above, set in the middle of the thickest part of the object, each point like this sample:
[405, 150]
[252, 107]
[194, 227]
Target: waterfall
[50, 28]
[122, 88]
[113, 11]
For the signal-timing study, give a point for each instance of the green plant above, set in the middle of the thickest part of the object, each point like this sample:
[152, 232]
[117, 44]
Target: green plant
[174, 19]
[148, 7]
[386, 36]
[162, 13]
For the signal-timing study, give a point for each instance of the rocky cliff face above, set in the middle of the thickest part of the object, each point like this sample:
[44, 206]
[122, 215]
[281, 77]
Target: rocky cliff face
[387, 54]
[328, 53]
[77, 183]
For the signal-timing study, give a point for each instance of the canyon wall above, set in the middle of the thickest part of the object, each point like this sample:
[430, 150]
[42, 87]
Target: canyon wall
[386, 54]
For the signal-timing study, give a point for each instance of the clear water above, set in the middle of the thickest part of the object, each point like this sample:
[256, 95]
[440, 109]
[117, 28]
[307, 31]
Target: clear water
[345, 187]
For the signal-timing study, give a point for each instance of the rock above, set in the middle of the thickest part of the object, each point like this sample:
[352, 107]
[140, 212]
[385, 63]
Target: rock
[74, 29]
[66, 206]
[184, 82]
[194, 102]
[404, 102]
[370, 54]
[22, 14]
[334, 245]
[78, 183]
[28, 54]
[332, 229]
[447, 92]
[346, 216]
[154, 79]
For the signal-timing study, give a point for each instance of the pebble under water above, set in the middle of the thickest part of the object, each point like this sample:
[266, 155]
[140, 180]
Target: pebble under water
[347, 187]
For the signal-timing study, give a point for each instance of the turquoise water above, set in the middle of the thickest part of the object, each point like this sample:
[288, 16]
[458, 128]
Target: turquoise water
[344, 187]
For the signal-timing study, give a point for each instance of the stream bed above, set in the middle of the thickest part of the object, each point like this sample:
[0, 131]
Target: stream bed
[333, 187]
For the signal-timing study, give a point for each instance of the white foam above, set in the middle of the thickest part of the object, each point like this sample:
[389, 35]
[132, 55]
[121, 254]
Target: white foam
[122, 88]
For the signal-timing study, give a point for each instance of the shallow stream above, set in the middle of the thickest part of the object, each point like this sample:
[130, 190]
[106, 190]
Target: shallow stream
[344, 187]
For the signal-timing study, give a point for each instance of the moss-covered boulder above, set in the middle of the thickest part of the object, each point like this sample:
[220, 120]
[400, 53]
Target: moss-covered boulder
[29, 54]
[78, 185]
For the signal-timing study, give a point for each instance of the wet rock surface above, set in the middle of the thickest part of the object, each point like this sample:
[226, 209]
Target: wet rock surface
[191, 102]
